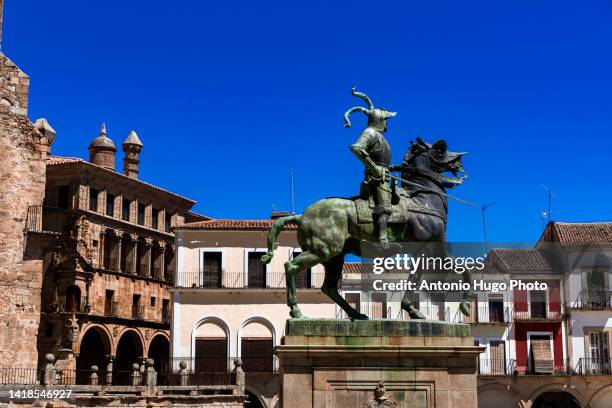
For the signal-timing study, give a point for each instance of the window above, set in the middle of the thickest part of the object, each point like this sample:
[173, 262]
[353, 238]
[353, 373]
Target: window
[599, 352]
[141, 214]
[437, 307]
[155, 218]
[166, 310]
[497, 351]
[496, 309]
[256, 270]
[110, 307]
[211, 269]
[168, 222]
[596, 284]
[49, 330]
[153, 301]
[125, 209]
[354, 299]
[93, 199]
[63, 197]
[210, 354]
[379, 306]
[137, 310]
[110, 205]
[541, 357]
[537, 302]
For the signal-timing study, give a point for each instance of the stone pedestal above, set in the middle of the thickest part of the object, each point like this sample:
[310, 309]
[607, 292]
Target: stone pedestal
[340, 364]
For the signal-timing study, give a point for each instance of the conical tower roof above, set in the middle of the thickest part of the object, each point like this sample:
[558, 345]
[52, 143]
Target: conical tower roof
[132, 139]
[103, 140]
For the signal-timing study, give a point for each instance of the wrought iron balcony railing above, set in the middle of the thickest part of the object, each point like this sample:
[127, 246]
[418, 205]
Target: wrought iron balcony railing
[45, 219]
[540, 367]
[538, 311]
[241, 280]
[111, 309]
[493, 367]
[137, 312]
[484, 315]
[593, 299]
[594, 366]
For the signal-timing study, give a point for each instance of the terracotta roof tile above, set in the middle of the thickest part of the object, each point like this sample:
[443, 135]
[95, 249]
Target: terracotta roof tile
[578, 233]
[238, 225]
[522, 259]
[356, 267]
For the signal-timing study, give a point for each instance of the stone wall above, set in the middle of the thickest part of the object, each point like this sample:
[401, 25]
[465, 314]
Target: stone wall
[23, 151]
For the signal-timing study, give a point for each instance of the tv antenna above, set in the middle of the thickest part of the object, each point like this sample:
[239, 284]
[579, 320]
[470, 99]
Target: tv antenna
[483, 208]
[546, 214]
[291, 189]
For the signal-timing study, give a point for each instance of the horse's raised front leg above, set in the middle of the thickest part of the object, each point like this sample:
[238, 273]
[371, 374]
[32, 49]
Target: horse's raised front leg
[333, 274]
[301, 262]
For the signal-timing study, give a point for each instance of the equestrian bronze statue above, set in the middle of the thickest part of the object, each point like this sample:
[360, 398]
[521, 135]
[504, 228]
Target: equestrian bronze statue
[417, 211]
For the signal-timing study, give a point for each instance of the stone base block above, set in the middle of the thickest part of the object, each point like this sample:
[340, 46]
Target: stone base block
[377, 363]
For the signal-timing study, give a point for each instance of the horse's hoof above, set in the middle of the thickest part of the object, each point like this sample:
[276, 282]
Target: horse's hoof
[266, 258]
[416, 314]
[359, 316]
[296, 313]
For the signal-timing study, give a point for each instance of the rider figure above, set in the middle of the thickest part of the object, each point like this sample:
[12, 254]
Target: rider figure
[373, 150]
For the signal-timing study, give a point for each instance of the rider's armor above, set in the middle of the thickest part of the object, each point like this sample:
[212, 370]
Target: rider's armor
[375, 153]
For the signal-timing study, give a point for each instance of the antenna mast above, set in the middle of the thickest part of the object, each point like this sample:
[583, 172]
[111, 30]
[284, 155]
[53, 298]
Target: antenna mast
[291, 188]
[546, 214]
[483, 208]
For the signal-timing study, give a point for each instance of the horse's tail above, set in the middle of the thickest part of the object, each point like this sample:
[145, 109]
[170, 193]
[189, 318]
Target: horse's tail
[275, 229]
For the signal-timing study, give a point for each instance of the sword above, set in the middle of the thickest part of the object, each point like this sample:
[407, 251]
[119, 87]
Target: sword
[412, 183]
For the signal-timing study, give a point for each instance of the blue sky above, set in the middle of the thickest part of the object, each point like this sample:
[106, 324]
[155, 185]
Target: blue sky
[227, 95]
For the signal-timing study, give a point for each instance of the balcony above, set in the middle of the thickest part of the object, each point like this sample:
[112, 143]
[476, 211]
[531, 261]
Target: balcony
[538, 311]
[165, 316]
[594, 366]
[484, 315]
[45, 219]
[74, 305]
[493, 367]
[111, 309]
[593, 300]
[239, 280]
[541, 367]
[137, 312]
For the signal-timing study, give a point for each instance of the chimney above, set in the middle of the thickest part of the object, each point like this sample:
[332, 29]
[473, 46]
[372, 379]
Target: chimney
[102, 150]
[131, 147]
[45, 129]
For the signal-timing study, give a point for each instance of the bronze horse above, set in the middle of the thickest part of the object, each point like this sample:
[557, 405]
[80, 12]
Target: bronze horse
[330, 229]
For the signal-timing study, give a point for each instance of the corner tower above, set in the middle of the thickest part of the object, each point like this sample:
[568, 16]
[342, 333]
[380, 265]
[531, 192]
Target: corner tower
[102, 150]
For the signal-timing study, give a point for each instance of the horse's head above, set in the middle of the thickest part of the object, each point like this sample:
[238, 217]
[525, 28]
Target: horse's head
[431, 160]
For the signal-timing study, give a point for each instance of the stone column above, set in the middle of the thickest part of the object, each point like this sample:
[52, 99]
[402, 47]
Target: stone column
[135, 376]
[93, 377]
[87, 307]
[162, 258]
[133, 252]
[148, 242]
[49, 372]
[240, 376]
[101, 248]
[109, 370]
[119, 235]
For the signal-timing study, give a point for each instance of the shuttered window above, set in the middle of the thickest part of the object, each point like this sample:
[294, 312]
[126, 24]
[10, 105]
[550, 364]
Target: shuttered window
[541, 354]
[379, 306]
